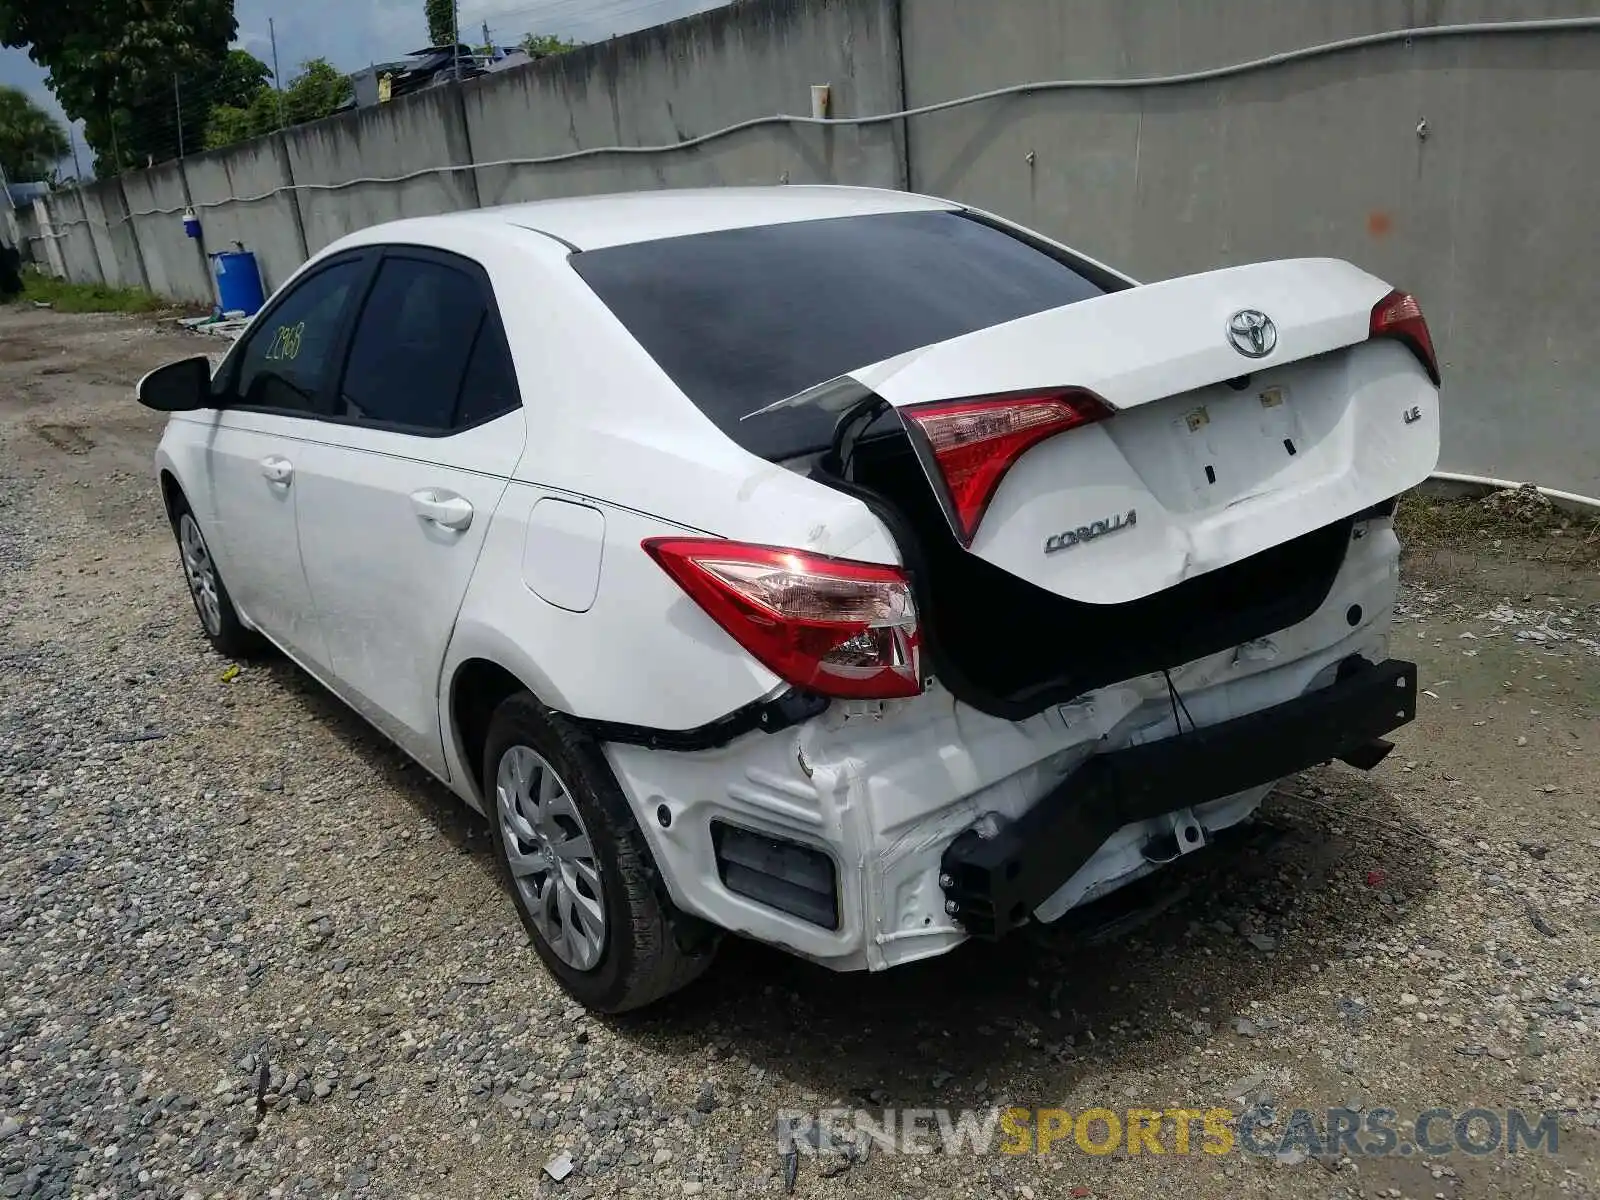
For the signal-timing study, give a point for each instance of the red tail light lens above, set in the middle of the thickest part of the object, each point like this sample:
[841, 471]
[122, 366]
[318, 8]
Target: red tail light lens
[975, 442]
[828, 625]
[1398, 315]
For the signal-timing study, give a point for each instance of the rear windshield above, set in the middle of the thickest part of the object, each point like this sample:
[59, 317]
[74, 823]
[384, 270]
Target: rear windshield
[742, 318]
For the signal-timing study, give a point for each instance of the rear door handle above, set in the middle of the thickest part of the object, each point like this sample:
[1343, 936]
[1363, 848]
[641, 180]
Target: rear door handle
[445, 509]
[276, 469]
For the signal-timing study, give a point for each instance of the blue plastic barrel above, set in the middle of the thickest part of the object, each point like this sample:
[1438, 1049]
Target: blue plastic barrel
[238, 282]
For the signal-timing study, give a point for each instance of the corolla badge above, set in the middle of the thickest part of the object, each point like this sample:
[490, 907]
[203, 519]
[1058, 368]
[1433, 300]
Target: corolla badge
[1069, 538]
[1252, 333]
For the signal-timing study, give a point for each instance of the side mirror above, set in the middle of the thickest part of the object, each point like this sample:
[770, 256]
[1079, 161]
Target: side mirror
[183, 386]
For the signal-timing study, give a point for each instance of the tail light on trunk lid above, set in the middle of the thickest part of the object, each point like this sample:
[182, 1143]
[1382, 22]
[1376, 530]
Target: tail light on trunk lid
[829, 625]
[1399, 316]
[971, 444]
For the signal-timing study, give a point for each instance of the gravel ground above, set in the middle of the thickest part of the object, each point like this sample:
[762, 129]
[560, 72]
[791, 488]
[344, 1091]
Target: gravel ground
[246, 950]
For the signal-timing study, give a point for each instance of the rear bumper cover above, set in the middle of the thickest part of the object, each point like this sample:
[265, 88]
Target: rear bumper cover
[992, 884]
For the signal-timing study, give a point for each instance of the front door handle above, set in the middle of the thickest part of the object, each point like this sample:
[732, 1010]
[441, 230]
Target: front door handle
[445, 509]
[277, 470]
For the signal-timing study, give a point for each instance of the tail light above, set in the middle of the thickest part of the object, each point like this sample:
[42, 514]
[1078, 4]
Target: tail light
[831, 626]
[973, 443]
[1398, 315]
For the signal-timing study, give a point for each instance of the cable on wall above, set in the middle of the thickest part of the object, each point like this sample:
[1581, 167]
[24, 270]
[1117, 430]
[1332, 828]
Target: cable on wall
[1282, 58]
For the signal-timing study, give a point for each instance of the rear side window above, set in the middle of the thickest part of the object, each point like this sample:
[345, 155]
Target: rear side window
[410, 350]
[744, 317]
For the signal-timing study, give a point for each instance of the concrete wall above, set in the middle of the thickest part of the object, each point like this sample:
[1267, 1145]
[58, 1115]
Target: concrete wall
[48, 242]
[425, 129]
[174, 264]
[29, 241]
[106, 209]
[679, 81]
[73, 238]
[1481, 218]
[1486, 217]
[269, 227]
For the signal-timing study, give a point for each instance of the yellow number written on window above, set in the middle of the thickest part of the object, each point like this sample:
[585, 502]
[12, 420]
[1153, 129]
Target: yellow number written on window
[285, 342]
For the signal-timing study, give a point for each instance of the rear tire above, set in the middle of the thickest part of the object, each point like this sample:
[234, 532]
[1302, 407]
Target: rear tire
[578, 867]
[219, 620]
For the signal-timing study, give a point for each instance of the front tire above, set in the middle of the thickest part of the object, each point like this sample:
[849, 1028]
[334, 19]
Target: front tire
[578, 867]
[219, 620]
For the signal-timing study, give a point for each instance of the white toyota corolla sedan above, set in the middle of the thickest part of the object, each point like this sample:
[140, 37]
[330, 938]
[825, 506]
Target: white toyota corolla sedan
[847, 569]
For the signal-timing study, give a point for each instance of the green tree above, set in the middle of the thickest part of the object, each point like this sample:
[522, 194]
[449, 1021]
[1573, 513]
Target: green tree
[441, 22]
[230, 123]
[242, 105]
[315, 93]
[241, 77]
[31, 140]
[542, 45]
[112, 64]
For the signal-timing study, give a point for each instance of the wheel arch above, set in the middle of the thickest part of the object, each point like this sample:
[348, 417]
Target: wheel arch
[480, 686]
[482, 669]
[173, 498]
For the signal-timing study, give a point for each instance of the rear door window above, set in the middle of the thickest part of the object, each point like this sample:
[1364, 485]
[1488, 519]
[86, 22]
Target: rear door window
[742, 318]
[411, 346]
[489, 388]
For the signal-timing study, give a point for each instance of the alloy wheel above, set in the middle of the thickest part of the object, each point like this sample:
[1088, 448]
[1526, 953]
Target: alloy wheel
[201, 574]
[552, 860]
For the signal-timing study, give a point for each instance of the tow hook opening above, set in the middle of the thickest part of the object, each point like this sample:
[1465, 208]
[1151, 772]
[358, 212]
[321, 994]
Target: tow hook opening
[1184, 835]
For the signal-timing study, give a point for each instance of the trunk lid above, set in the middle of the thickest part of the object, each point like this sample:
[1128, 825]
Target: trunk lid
[1192, 472]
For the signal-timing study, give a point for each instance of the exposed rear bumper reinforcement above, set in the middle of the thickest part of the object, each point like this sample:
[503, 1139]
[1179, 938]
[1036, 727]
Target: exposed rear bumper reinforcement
[997, 882]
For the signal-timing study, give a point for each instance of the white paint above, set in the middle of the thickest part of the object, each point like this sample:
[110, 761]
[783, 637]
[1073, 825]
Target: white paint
[383, 562]
[386, 576]
[561, 556]
[1156, 353]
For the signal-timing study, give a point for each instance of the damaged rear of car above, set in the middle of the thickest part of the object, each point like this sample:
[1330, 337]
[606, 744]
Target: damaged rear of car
[1143, 564]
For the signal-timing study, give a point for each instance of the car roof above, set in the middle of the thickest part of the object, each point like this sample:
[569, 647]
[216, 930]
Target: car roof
[596, 222]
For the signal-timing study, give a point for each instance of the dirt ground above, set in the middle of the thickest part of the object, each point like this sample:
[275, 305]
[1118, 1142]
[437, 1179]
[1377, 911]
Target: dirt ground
[247, 950]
